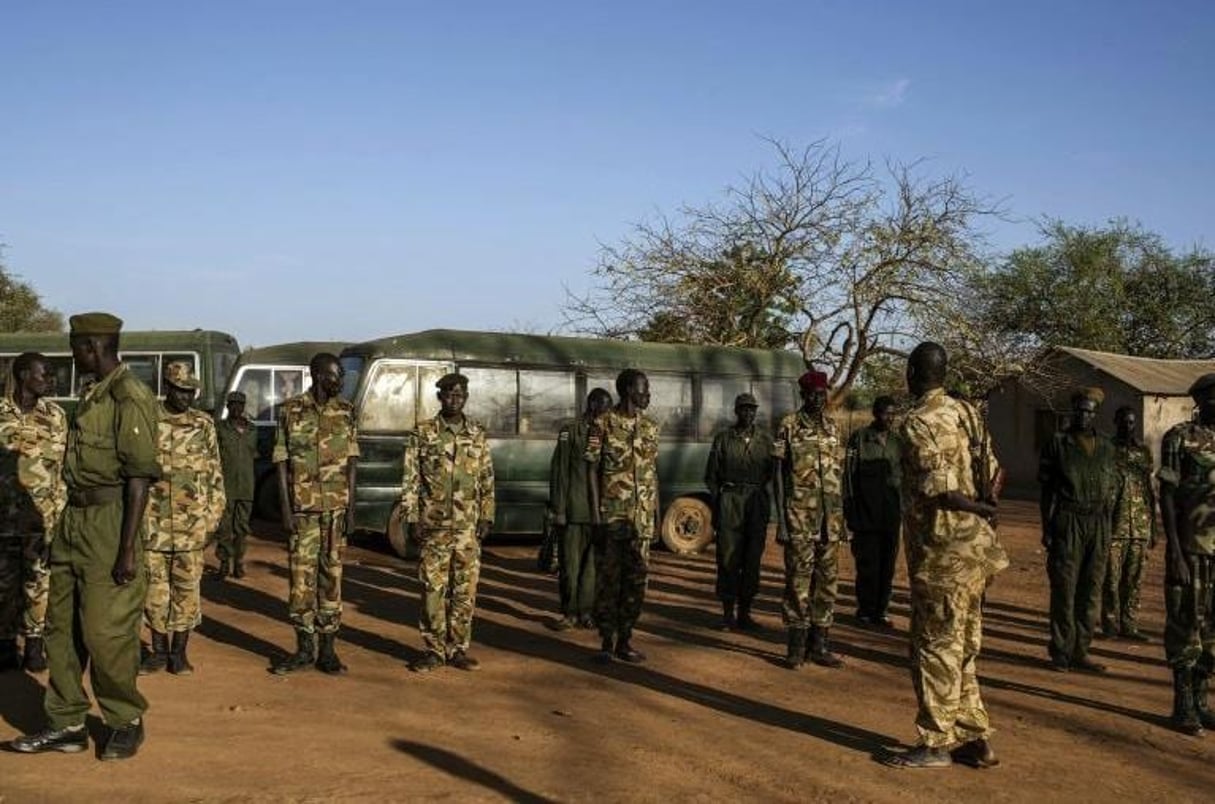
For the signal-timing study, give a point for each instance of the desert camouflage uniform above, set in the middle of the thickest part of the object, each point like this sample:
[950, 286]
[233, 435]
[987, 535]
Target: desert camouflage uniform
[812, 459]
[951, 555]
[32, 497]
[1134, 527]
[569, 497]
[184, 508]
[237, 452]
[623, 453]
[316, 442]
[447, 489]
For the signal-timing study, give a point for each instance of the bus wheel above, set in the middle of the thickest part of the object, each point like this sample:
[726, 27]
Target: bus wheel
[687, 526]
[396, 535]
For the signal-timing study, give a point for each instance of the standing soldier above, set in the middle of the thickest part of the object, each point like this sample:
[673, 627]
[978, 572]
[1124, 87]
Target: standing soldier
[97, 580]
[872, 476]
[447, 495]
[237, 451]
[1076, 471]
[950, 485]
[316, 450]
[184, 508]
[1187, 505]
[569, 498]
[33, 436]
[623, 485]
[808, 462]
[1134, 530]
[737, 476]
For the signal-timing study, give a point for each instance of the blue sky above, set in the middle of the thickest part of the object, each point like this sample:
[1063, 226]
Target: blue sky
[286, 170]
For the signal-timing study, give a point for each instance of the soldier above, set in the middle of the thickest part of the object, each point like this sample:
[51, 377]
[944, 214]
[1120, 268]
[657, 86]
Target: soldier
[807, 464]
[872, 473]
[184, 508]
[237, 450]
[950, 486]
[623, 487]
[447, 495]
[316, 451]
[737, 475]
[97, 576]
[571, 513]
[1187, 505]
[1134, 530]
[33, 436]
[1076, 471]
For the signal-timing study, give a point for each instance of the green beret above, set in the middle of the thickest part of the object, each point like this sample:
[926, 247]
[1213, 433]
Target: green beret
[237, 396]
[95, 324]
[451, 380]
[1202, 384]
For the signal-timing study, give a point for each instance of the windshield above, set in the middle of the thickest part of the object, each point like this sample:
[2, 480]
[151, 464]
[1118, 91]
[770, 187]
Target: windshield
[353, 366]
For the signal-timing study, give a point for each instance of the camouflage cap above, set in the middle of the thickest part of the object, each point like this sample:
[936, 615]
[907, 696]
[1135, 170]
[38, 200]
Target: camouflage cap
[451, 380]
[237, 396]
[179, 374]
[1202, 385]
[745, 400]
[95, 324]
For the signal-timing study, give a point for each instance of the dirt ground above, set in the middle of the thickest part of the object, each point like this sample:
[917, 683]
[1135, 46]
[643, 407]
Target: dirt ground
[710, 717]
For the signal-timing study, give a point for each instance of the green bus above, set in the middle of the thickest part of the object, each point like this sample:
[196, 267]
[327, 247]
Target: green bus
[524, 387]
[211, 353]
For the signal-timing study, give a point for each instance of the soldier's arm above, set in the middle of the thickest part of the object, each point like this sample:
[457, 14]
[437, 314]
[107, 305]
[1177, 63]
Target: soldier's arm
[1177, 571]
[713, 465]
[780, 452]
[352, 471]
[851, 462]
[558, 476]
[941, 484]
[593, 456]
[282, 466]
[217, 496]
[410, 484]
[1149, 491]
[1047, 465]
[485, 487]
[135, 440]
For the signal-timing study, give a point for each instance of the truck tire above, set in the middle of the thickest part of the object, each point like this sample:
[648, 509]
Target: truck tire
[687, 526]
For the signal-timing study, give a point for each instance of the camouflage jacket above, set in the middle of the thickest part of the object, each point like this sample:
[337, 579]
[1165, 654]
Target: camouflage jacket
[32, 447]
[942, 439]
[112, 436]
[623, 453]
[1187, 468]
[185, 505]
[568, 493]
[812, 461]
[1135, 504]
[447, 482]
[316, 442]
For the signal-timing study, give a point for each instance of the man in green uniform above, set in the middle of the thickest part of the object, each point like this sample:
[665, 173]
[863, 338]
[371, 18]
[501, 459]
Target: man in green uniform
[184, 508]
[808, 464]
[316, 450]
[1134, 531]
[1187, 506]
[622, 451]
[238, 451]
[950, 488]
[1078, 480]
[447, 495]
[33, 436]
[872, 474]
[570, 507]
[97, 576]
[737, 475]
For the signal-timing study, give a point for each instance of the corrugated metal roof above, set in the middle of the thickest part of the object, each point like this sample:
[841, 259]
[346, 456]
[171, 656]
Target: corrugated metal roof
[1145, 374]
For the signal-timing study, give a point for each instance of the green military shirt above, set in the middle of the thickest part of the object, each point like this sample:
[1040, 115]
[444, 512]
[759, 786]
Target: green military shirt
[237, 451]
[185, 505]
[32, 446]
[739, 459]
[568, 494]
[447, 482]
[812, 458]
[316, 442]
[1081, 480]
[872, 480]
[623, 451]
[113, 434]
[1135, 501]
[1187, 465]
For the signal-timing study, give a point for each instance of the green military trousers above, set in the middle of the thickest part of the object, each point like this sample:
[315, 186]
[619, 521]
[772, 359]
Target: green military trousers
[25, 582]
[449, 567]
[811, 579]
[1189, 617]
[577, 570]
[741, 519]
[233, 531]
[1120, 592]
[1079, 547]
[314, 553]
[92, 621]
[622, 560]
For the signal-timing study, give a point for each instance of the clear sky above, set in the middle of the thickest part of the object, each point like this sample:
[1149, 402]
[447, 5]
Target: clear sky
[294, 169]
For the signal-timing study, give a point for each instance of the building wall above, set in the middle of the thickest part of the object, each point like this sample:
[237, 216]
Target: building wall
[1159, 414]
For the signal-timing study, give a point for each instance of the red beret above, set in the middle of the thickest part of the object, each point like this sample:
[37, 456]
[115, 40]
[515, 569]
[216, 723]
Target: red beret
[813, 381]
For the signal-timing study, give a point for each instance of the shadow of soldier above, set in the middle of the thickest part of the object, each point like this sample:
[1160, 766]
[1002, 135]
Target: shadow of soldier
[21, 702]
[455, 765]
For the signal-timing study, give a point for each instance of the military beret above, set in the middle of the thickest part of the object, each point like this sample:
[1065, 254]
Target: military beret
[450, 380]
[1202, 384]
[745, 400]
[1092, 393]
[237, 396]
[813, 381]
[95, 324]
[180, 374]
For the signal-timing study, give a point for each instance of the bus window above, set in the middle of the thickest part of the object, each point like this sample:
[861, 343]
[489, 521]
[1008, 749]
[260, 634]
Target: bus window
[605, 381]
[717, 403]
[61, 376]
[254, 383]
[492, 397]
[146, 368]
[287, 383]
[222, 364]
[776, 398]
[389, 402]
[671, 405]
[352, 367]
[546, 401]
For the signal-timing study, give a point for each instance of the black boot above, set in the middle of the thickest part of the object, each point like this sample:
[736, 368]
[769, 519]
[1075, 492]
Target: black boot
[179, 665]
[9, 658]
[728, 620]
[1185, 715]
[795, 656]
[819, 649]
[225, 568]
[238, 569]
[305, 654]
[34, 659]
[745, 621]
[327, 660]
[157, 657]
[1201, 681]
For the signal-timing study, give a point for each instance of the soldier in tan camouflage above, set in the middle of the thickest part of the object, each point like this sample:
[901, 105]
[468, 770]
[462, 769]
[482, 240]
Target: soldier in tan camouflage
[808, 457]
[33, 437]
[447, 496]
[184, 508]
[316, 450]
[622, 450]
[1133, 534]
[950, 486]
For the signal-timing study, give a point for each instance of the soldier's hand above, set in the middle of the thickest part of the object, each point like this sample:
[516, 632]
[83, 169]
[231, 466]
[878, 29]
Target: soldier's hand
[124, 567]
[559, 520]
[1179, 569]
[483, 528]
[411, 532]
[1046, 540]
[289, 524]
[349, 520]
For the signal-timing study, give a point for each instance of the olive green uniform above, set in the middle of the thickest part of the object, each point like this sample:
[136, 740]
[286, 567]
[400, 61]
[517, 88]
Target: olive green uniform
[737, 476]
[872, 477]
[1133, 531]
[237, 452]
[569, 498]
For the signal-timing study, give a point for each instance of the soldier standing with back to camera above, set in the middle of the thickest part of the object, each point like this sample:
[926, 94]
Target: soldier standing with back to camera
[237, 451]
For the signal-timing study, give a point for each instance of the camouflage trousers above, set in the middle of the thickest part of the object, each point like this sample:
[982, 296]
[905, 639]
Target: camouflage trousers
[233, 531]
[1189, 617]
[1120, 592]
[577, 576]
[811, 578]
[173, 602]
[622, 561]
[946, 634]
[314, 556]
[449, 567]
[25, 582]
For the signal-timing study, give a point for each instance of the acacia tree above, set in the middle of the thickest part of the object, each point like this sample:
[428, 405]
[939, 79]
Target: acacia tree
[21, 308]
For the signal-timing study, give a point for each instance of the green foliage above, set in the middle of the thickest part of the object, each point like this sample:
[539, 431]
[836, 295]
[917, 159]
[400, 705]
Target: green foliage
[21, 308]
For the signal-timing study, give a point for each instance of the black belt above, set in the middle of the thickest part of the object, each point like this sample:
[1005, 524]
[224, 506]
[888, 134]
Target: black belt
[96, 495]
[1083, 509]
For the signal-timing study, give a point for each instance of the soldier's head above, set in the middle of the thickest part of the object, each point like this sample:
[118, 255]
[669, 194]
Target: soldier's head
[327, 374]
[1085, 402]
[236, 405]
[813, 387]
[745, 409]
[94, 341]
[31, 376]
[1124, 421]
[453, 393]
[180, 386]
[883, 413]
[597, 402]
[926, 368]
[1203, 394]
[633, 386]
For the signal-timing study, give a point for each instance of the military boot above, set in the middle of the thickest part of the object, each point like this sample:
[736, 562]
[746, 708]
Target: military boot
[238, 569]
[1202, 682]
[9, 658]
[34, 659]
[1185, 714]
[795, 656]
[305, 654]
[327, 660]
[819, 649]
[728, 621]
[745, 621]
[179, 665]
[225, 568]
[157, 657]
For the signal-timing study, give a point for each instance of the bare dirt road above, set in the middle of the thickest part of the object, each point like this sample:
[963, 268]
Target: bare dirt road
[710, 717]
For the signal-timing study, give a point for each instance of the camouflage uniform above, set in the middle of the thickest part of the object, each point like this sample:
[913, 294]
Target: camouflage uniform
[569, 497]
[184, 508]
[237, 452]
[316, 442]
[447, 490]
[1134, 527]
[951, 556]
[623, 453]
[812, 456]
[737, 476]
